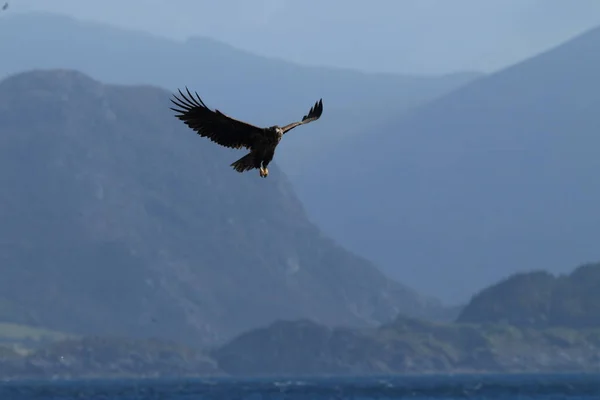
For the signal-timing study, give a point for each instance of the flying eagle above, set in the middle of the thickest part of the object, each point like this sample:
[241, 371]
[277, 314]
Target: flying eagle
[236, 134]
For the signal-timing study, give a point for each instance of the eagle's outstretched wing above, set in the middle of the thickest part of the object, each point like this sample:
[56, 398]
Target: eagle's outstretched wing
[313, 115]
[214, 125]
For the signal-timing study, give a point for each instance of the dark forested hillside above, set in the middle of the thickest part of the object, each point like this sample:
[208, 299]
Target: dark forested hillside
[539, 299]
[533, 322]
[528, 323]
[407, 346]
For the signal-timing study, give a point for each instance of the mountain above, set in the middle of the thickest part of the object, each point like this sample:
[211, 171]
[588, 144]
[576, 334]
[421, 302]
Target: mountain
[493, 178]
[257, 89]
[539, 299]
[119, 220]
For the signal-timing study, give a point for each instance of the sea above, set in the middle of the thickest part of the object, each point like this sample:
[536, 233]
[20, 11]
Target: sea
[447, 387]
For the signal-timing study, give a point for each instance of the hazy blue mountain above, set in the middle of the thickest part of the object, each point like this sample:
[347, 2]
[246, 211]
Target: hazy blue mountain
[117, 219]
[496, 177]
[258, 89]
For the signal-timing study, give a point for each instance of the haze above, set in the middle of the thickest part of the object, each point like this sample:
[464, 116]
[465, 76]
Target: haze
[403, 36]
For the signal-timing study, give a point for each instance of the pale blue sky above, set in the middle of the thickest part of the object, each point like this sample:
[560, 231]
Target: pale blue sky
[423, 36]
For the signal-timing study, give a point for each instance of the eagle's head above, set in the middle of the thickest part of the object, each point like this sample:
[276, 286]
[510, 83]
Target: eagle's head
[276, 129]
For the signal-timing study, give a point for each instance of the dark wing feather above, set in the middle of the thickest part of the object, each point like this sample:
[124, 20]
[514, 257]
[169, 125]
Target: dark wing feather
[313, 115]
[214, 125]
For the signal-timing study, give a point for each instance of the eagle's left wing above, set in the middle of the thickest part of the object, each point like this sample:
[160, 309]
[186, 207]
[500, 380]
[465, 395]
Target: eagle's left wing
[313, 115]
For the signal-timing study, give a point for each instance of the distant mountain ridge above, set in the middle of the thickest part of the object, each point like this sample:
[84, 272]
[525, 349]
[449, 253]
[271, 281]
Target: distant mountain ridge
[118, 220]
[492, 178]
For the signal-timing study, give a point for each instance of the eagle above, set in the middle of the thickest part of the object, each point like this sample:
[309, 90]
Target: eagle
[236, 134]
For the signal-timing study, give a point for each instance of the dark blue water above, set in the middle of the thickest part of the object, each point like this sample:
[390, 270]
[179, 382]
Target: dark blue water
[546, 387]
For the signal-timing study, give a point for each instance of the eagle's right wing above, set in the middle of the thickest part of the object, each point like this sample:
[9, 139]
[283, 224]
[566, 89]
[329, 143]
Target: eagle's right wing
[214, 125]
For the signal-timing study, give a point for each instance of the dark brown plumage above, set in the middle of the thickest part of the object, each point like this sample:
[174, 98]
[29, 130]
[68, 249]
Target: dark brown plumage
[230, 132]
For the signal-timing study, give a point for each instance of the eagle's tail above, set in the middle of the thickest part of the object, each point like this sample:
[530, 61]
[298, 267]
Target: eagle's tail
[245, 163]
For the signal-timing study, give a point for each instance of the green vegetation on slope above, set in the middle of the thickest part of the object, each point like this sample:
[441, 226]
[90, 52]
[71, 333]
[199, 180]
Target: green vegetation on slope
[107, 357]
[11, 332]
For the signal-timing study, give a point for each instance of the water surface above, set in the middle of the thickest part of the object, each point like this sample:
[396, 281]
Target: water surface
[479, 387]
